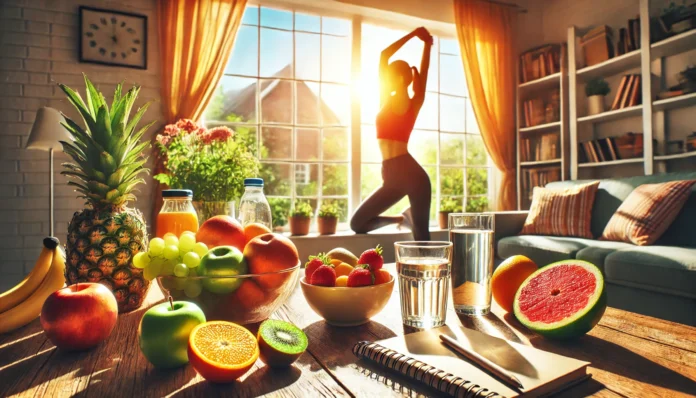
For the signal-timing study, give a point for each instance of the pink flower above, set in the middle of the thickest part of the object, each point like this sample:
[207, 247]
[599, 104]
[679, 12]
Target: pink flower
[220, 134]
[163, 139]
[188, 125]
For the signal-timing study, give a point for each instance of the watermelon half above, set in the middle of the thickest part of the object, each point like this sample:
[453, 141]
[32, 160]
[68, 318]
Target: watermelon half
[563, 300]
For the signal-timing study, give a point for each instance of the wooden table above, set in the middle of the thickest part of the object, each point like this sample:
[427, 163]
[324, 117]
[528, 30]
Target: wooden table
[631, 355]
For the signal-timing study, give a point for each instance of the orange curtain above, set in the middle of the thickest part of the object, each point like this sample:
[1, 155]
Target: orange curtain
[485, 32]
[196, 39]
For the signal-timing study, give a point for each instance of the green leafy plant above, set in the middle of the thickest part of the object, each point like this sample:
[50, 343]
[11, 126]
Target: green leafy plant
[597, 86]
[209, 162]
[329, 209]
[673, 13]
[450, 205]
[688, 74]
[302, 209]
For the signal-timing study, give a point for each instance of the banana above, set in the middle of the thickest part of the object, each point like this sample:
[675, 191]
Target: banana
[29, 309]
[26, 287]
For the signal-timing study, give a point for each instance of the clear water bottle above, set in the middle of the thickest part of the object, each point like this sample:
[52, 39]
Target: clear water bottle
[254, 208]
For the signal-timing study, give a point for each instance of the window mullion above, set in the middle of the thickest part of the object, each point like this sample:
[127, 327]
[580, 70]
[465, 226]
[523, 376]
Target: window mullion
[356, 126]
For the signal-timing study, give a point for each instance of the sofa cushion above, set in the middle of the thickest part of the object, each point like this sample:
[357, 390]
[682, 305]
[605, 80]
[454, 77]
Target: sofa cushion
[545, 250]
[665, 269]
[562, 211]
[647, 212]
[597, 251]
[612, 192]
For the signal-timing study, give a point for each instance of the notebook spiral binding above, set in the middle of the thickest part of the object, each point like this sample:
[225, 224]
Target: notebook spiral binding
[422, 372]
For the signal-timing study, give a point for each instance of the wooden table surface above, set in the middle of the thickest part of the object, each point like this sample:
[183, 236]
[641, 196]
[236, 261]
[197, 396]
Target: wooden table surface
[631, 355]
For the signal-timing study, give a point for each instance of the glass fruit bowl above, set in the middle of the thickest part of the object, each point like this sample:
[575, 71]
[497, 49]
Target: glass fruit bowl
[241, 299]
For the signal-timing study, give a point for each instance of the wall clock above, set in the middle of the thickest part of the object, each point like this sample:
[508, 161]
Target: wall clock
[115, 38]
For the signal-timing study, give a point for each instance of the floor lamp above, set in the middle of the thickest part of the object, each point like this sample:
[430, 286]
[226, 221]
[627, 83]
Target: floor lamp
[46, 135]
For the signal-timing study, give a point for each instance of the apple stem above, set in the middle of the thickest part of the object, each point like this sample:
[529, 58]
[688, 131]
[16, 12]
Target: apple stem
[171, 302]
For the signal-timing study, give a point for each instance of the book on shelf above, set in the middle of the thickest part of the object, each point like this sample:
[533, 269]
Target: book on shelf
[540, 148]
[597, 45]
[538, 177]
[670, 94]
[540, 62]
[626, 146]
[542, 109]
[629, 92]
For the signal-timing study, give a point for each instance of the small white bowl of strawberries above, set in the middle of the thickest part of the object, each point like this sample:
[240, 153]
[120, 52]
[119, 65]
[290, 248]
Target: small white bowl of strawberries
[347, 290]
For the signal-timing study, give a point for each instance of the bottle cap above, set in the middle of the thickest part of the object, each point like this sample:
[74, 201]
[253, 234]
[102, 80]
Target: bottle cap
[253, 182]
[177, 193]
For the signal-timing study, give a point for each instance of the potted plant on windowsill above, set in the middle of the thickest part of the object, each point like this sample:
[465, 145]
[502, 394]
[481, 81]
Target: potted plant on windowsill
[596, 90]
[447, 206]
[301, 218]
[328, 218]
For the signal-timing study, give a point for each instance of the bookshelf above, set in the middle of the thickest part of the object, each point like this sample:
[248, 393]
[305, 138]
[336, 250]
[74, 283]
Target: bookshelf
[650, 114]
[541, 142]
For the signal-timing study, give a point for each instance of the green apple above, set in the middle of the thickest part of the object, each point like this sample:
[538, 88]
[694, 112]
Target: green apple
[164, 332]
[222, 261]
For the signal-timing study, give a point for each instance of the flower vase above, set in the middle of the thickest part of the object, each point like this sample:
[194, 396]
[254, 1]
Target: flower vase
[207, 209]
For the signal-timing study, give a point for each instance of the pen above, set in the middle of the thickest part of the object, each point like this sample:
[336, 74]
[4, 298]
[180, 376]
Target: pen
[482, 362]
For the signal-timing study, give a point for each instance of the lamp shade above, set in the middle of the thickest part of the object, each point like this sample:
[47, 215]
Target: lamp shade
[47, 131]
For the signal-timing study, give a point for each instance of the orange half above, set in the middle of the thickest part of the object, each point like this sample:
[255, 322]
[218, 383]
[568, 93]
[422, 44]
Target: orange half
[222, 352]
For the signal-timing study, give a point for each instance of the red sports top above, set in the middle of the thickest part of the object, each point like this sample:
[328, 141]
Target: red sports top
[391, 126]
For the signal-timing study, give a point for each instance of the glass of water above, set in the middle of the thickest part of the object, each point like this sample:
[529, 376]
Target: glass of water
[424, 273]
[471, 235]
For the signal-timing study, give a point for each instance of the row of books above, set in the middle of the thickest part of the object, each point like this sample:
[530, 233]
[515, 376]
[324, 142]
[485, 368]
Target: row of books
[540, 62]
[627, 146]
[542, 109]
[538, 177]
[597, 45]
[629, 37]
[629, 92]
[542, 147]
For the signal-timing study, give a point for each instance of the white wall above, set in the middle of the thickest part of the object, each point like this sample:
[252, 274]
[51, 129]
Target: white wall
[38, 49]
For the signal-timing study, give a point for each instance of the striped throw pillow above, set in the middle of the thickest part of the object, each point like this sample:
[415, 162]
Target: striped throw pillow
[647, 212]
[561, 212]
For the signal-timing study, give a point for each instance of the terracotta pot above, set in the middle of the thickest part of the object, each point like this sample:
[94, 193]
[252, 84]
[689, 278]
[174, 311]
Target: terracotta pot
[442, 218]
[327, 225]
[299, 225]
[595, 104]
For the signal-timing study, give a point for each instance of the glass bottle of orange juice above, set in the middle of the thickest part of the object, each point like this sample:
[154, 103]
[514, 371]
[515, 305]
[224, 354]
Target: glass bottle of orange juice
[177, 214]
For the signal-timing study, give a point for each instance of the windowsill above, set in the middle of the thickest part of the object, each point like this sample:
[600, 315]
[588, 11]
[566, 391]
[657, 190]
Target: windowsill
[382, 232]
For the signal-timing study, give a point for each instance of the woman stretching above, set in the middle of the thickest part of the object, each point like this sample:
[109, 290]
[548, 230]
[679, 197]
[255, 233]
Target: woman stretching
[401, 174]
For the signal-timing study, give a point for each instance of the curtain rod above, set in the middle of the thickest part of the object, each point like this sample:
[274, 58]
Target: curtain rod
[521, 10]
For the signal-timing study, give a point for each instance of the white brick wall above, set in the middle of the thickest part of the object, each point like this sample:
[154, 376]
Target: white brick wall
[38, 49]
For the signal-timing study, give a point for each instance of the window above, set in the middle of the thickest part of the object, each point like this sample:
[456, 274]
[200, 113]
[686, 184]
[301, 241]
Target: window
[286, 92]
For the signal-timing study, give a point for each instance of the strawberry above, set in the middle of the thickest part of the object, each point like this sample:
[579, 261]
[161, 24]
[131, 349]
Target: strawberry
[373, 258]
[361, 276]
[324, 276]
[314, 263]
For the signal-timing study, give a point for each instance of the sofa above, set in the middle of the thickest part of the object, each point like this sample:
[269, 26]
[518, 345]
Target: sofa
[657, 280]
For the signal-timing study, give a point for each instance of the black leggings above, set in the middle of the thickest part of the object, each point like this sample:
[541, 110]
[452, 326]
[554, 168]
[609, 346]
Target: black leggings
[401, 176]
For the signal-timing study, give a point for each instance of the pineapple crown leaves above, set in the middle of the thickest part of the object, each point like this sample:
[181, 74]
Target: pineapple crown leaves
[107, 153]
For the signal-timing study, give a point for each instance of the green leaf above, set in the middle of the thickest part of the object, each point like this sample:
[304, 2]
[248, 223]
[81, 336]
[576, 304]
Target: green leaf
[77, 102]
[94, 97]
[107, 163]
[136, 118]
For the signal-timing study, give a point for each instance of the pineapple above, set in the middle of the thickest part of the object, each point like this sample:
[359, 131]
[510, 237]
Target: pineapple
[107, 166]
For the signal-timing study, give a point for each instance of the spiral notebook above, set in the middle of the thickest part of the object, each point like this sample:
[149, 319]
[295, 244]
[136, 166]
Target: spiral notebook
[423, 358]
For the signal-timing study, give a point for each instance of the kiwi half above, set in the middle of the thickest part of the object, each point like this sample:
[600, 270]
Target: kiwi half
[280, 343]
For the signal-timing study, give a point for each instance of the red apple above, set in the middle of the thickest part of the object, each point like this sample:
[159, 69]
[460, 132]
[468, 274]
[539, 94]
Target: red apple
[80, 316]
[221, 231]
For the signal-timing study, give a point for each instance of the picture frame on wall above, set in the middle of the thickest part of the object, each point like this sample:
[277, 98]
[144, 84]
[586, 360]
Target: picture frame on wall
[114, 38]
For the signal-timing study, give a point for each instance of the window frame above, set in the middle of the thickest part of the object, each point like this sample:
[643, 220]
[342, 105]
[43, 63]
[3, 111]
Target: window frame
[354, 129]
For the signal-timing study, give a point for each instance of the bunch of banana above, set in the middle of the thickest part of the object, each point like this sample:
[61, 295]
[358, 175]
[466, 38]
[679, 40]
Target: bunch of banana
[22, 304]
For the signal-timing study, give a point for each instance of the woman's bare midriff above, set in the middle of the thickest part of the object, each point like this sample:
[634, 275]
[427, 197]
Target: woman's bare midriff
[392, 148]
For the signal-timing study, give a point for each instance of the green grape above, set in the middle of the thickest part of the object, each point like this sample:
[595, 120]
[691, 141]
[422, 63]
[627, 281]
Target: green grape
[181, 270]
[188, 233]
[191, 259]
[168, 283]
[192, 288]
[141, 260]
[186, 243]
[200, 248]
[152, 270]
[168, 267]
[156, 247]
[179, 283]
[171, 240]
[192, 272]
[170, 252]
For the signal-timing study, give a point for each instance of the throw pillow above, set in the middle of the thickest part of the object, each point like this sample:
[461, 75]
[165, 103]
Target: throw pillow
[561, 211]
[647, 212]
